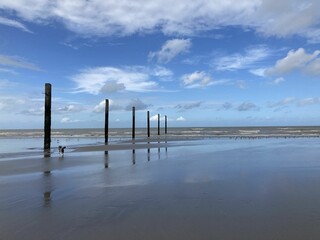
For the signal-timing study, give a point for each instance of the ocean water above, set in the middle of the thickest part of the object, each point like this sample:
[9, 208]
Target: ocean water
[30, 141]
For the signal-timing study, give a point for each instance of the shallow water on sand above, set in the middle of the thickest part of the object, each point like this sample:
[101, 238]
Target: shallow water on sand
[214, 189]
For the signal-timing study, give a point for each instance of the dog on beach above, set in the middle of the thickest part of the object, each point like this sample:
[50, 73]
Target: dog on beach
[61, 150]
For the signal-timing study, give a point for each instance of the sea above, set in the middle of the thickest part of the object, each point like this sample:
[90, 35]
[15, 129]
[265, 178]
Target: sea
[26, 142]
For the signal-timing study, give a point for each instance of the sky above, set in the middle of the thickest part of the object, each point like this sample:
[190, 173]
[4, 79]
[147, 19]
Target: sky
[201, 63]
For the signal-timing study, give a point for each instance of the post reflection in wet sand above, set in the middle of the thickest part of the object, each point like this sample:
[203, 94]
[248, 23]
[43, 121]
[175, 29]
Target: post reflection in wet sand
[47, 188]
[133, 156]
[106, 159]
[47, 198]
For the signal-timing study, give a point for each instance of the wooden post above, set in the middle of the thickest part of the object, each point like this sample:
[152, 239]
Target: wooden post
[47, 120]
[158, 124]
[148, 123]
[106, 123]
[133, 123]
[165, 124]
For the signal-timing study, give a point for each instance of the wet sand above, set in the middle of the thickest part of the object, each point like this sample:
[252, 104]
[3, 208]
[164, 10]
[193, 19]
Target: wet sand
[215, 189]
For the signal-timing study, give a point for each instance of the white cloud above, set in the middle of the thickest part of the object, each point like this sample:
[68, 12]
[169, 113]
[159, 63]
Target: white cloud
[313, 68]
[281, 19]
[112, 86]
[185, 17]
[163, 73]
[181, 119]
[101, 106]
[258, 72]
[69, 109]
[138, 104]
[199, 80]
[101, 79]
[277, 81]
[68, 120]
[14, 23]
[296, 60]
[17, 62]
[155, 118]
[171, 49]
[238, 61]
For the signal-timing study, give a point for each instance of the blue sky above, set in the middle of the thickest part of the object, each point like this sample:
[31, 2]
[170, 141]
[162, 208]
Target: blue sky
[202, 63]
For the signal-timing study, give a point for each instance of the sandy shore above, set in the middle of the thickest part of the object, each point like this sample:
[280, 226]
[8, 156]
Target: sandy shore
[214, 189]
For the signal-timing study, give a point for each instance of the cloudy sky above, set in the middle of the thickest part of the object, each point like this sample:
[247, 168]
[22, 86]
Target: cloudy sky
[202, 63]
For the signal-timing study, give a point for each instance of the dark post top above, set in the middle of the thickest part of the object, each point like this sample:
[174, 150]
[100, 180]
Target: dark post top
[133, 122]
[148, 123]
[158, 124]
[106, 123]
[165, 124]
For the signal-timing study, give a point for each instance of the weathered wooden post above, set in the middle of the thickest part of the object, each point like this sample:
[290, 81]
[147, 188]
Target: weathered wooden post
[133, 123]
[158, 124]
[165, 124]
[106, 123]
[148, 123]
[47, 120]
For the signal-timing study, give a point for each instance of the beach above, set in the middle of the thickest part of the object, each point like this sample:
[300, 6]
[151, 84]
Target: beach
[199, 189]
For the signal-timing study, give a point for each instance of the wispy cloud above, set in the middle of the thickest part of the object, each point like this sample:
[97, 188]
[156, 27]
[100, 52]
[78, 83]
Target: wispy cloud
[171, 49]
[71, 108]
[7, 70]
[69, 120]
[184, 18]
[297, 60]
[14, 23]
[110, 79]
[258, 72]
[34, 111]
[247, 106]
[237, 61]
[199, 79]
[4, 83]
[308, 101]
[10, 103]
[277, 81]
[188, 106]
[286, 101]
[17, 62]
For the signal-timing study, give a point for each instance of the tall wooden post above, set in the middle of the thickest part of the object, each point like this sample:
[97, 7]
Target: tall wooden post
[106, 123]
[158, 124]
[148, 123]
[165, 124]
[133, 123]
[47, 120]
